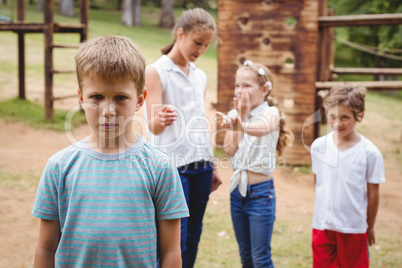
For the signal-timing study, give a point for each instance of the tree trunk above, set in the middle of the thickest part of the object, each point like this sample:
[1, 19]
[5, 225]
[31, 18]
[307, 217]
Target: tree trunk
[166, 19]
[131, 13]
[119, 4]
[67, 7]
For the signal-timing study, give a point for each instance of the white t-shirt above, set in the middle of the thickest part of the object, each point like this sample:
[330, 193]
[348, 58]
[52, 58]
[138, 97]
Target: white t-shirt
[341, 187]
[187, 140]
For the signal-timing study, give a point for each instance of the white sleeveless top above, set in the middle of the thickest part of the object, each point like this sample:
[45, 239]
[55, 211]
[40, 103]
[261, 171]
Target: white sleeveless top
[187, 140]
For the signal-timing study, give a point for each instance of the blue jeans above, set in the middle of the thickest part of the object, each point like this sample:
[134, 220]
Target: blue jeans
[253, 219]
[196, 181]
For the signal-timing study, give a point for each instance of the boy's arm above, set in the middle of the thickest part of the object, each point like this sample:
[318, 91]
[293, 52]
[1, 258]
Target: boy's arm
[169, 243]
[48, 242]
[373, 196]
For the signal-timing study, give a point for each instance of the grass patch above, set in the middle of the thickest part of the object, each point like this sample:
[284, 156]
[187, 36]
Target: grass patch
[220, 153]
[16, 110]
[19, 181]
[304, 169]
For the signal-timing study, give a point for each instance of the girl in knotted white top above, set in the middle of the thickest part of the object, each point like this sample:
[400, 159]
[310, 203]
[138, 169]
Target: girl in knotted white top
[177, 119]
[255, 135]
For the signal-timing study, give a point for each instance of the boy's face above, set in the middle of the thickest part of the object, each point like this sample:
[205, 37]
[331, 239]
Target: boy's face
[342, 120]
[110, 108]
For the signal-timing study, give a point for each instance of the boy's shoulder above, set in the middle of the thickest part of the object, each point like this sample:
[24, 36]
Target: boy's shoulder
[369, 146]
[68, 151]
[154, 151]
[156, 155]
[322, 141]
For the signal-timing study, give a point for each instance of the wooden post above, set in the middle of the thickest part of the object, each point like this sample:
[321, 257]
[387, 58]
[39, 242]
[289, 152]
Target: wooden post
[84, 8]
[321, 63]
[21, 51]
[283, 36]
[48, 31]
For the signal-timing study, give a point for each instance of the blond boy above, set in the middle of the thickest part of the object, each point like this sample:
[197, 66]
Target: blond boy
[110, 200]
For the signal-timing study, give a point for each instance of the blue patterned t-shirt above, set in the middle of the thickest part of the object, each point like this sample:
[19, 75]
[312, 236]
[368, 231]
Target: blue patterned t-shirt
[108, 204]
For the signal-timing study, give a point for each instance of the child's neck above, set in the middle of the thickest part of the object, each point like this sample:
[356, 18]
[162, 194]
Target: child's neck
[180, 61]
[345, 142]
[110, 146]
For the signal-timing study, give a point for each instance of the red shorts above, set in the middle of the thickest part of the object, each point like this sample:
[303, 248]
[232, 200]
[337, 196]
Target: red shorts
[334, 249]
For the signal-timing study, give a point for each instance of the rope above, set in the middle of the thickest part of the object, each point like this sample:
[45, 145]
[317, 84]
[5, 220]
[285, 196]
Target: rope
[390, 50]
[368, 49]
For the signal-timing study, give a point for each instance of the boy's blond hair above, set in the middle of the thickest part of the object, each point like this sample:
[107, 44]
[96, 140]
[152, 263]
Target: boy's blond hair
[111, 58]
[349, 96]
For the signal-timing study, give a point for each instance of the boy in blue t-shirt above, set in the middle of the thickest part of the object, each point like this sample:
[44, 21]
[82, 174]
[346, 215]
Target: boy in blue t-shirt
[110, 200]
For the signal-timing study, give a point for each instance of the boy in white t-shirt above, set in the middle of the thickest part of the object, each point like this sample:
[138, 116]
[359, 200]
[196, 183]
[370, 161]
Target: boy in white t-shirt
[348, 169]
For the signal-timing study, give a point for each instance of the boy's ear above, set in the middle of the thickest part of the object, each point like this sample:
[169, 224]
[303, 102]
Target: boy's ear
[361, 117]
[80, 96]
[141, 99]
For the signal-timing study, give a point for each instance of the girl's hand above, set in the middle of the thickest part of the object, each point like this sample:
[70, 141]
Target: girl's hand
[216, 180]
[242, 105]
[167, 115]
[228, 122]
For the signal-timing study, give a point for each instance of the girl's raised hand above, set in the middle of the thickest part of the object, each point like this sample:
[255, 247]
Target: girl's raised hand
[243, 105]
[167, 115]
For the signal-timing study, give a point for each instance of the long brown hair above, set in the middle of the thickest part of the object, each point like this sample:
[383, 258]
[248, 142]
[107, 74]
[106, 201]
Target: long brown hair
[285, 135]
[191, 20]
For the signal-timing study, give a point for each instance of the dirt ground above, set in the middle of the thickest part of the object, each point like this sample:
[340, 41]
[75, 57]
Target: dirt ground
[25, 150]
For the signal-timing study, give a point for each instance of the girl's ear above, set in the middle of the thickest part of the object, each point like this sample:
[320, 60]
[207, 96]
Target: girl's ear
[265, 90]
[179, 32]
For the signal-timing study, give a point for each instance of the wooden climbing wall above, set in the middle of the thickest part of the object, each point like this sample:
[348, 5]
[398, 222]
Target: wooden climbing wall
[283, 36]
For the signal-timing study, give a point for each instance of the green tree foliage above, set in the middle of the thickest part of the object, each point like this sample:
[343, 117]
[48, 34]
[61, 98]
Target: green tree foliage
[382, 36]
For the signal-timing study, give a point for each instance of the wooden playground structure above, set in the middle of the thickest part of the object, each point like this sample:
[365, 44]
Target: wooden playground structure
[48, 28]
[295, 39]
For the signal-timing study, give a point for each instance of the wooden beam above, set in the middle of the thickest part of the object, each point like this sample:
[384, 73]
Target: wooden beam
[39, 27]
[360, 20]
[22, 27]
[66, 45]
[342, 70]
[66, 28]
[63, 71]
[370, 85]
[65, 97]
